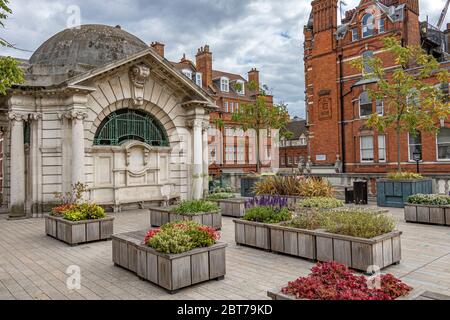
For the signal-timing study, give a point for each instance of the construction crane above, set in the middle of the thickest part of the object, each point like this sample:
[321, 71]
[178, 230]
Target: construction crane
[443, 15]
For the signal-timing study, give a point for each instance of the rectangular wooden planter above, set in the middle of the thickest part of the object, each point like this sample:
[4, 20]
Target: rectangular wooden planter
[79, 232]
[427, 214]
[292, 241]
[169, 271]
[234, 207]
[395, 194]
[359, 253]
[252, 234]
[162, 216]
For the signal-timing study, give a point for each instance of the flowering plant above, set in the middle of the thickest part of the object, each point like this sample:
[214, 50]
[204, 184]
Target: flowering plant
[333, 281]
[267, 201]
[60, 210]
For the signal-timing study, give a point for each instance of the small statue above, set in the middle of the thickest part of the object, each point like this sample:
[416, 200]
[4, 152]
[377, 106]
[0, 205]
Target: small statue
[338, 164]
[301, 165]
[309, 165]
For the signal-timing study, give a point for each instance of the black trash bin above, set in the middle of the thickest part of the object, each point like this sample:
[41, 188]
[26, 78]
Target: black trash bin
[361, 196]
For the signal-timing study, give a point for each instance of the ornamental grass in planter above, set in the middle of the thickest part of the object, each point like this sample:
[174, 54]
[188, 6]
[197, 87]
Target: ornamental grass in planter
[428, 209]
[334, 281]
[321, 203]
[175, 256]
[201, 211]
[253, 229]
[76, 222]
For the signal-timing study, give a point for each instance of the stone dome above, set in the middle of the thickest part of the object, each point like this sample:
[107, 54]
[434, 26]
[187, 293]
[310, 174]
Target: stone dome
[79, 49]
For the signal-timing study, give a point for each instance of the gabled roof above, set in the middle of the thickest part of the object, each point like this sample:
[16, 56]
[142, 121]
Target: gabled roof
[297, 127]
[232, 76]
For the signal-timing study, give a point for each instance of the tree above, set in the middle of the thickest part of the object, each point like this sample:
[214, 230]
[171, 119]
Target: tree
[260, 116]
[412, 102]
[10, 72]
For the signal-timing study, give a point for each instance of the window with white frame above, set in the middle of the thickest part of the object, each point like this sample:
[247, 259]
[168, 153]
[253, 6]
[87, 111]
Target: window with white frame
[230, 153]
[226, 107]
[381, 25]
[241, 153]
[224, 84]
[355, 35]
[367, 154]
[231, 107]
[187, 73]
[303, 141]
[367, 25]
[240, 87]
[289, 160]
[382, 157]
[414, 145]
[199, 79]
[250, 154]
[283, 160]
[365, 105]
[443, 144]
[367, 56]
[380, 107]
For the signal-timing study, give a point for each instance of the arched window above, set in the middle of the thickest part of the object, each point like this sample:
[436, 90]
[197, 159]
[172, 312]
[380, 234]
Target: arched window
[365, 105]
[368, 25]
[126, 125]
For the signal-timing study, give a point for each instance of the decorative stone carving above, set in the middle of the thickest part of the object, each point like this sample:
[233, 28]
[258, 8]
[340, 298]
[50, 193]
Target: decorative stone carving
[195, 124]
[18, 116]
[75, 114]
[139, 75]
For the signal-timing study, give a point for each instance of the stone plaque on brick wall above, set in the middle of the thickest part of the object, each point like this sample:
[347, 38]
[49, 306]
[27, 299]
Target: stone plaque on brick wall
[325, 108]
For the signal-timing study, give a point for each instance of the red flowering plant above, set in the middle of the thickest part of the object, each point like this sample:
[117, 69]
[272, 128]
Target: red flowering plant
[333, 281]
[180, 237]
[60, 210]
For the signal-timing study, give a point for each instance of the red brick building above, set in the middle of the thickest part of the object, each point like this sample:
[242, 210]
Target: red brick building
[336, 96]
[292, 149]
[230, 149]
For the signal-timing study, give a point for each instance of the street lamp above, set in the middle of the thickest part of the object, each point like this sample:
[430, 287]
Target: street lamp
[417, 155]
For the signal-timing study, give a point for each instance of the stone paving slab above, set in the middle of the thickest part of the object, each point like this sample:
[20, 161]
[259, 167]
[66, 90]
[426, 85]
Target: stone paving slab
[33, 266]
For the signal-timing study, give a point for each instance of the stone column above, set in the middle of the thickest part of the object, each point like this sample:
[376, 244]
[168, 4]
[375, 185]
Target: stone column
[197, 179]
[17, 167]
[205, 158]
[78, 156]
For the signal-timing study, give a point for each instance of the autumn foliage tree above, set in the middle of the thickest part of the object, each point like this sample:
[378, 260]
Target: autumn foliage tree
[412, 103]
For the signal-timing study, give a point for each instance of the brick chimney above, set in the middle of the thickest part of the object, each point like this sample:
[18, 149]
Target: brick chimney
[324, 15]
[412, 5]
[158, 47]
[253, 76]
[204, 65]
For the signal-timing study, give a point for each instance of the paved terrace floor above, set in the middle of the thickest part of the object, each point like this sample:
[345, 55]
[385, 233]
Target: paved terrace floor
[33, 266]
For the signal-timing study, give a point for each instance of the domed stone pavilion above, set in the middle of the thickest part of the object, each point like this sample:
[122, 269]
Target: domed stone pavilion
[101, 107]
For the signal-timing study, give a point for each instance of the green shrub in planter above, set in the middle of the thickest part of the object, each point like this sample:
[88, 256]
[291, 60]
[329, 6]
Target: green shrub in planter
[401, 176]
[268, 214]
[195, 207]
[309, 220]
[429, 199]
[221, 196]
[83, 212]
[321, 203]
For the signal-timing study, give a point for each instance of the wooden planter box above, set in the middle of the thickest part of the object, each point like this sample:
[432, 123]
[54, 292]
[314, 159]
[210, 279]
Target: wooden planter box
[252, 234]
[359, 253]
[437, 215]
[234, 207]
[292, 241]
[395, 194]
[162, 216]
[169, 271]
[79, 232]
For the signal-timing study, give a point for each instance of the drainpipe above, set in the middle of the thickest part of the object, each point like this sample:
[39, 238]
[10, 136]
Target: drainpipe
[341, 96]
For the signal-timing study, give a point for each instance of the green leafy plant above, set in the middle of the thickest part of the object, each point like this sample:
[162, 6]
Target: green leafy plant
[221, 196]
[405, 176]
[321, 203]
[180, 237]
[308, 220]
[195, 207]
[429, 199]
[316, 187]
[83, 212]
[268, 214]
[412, 103]
[74, 196]
[294, 186]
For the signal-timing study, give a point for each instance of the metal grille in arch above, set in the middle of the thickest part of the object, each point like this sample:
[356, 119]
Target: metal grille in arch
[126, 125]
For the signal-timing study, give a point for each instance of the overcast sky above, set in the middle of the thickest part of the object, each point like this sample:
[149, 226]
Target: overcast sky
[267, 34]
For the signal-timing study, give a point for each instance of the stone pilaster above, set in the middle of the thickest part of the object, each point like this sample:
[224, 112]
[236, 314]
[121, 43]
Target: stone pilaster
[205, 129]
[78, 154]
[197, 166]
[17, 167]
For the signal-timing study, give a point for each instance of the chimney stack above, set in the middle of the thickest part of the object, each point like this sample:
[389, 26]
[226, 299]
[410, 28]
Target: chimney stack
[158, 47]
[253, 76]
[204, 65]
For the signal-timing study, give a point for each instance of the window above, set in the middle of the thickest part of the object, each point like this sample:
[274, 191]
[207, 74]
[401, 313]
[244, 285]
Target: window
[415, 144]
[367, 154]
[226, 106]
[382, 148]
[365, 105]
[367, 25]
[303, 141]
[240, 87]
[187, 73]
[290, 161]
[381, 25]
[269, 152]
[296, 160]
[241, 154]
[380, 107]
[367, 55]
[443, 142]
[355, 35]
[224, 84]
[414, 98]
[230, 153]
[236, 107]
[231, 107]
[444, 87]
[283, 160]
[198, 79]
